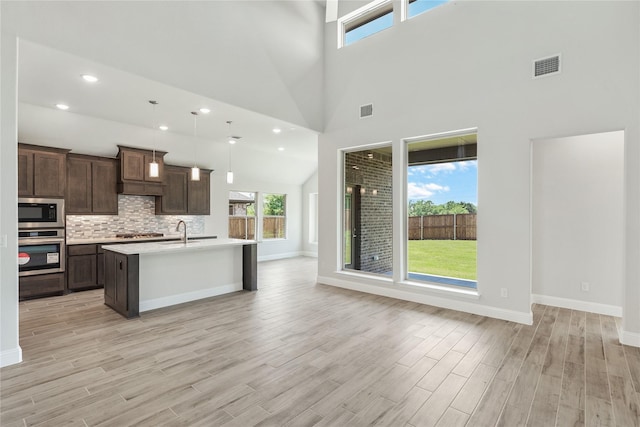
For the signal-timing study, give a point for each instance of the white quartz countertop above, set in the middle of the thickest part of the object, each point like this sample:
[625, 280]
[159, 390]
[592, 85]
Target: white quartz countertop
[113, 240]
[171, 246]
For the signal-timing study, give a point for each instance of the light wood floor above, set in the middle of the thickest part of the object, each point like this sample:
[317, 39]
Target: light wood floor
[297, 353]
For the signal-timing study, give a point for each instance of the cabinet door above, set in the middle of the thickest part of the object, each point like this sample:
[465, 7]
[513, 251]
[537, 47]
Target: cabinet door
[49, 174]
[41, 285]
[148, 158]
[109, 278]
[198, 195]
[104, 187]
[133, 166]
[120, 301]
[174, 198]
[100, 269]
[25, 172]
[81, 272]
[78, 198]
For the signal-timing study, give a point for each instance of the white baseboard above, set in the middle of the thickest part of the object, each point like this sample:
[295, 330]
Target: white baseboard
[10, 357]
[279, 256]
[573, 304]
[630, 338]
[152, 304]
[437, 301]
[309, 254]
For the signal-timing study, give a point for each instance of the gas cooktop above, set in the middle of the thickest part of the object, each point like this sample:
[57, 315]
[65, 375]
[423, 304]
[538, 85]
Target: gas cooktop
[138, 235]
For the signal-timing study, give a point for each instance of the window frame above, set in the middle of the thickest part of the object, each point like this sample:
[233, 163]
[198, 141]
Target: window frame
[263, 196]
[404, 268]
[362, 16]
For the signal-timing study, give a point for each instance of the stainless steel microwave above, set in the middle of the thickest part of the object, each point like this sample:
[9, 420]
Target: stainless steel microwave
[40, 213]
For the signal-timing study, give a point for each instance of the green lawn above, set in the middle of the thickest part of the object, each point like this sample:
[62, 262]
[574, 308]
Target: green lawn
[452, 258]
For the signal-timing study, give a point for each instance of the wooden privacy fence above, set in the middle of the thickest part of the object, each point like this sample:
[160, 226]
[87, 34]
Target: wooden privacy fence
[244, 227]
[443, 227]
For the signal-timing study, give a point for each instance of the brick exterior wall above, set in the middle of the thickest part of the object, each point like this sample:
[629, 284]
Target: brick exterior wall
[376, 213]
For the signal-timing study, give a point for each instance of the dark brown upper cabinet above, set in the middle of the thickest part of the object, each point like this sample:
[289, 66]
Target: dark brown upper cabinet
[91, 185]
[41, 171]
[133, 176]
[183, 196]
[198, 194]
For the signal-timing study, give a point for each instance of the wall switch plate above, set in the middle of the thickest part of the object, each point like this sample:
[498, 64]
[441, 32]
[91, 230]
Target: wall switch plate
[584, 286]
[504, 293]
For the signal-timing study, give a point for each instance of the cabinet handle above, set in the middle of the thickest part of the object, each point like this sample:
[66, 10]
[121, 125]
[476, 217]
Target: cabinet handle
[120, 265]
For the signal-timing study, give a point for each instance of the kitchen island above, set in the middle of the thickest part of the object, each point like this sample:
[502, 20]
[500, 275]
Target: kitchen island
[146, 276]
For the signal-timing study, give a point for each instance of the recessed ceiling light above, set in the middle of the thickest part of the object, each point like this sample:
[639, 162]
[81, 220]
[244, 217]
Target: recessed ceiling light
[163, 127]
[205, 110]
[277, 130]
[280, 148]
[62, 106]
[232, 140]
[89, 78]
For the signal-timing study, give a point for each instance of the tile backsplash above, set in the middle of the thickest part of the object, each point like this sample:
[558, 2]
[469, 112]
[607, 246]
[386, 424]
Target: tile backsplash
[136, 214]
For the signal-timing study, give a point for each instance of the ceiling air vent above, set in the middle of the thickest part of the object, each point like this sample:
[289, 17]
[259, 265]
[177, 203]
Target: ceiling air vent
[366, 110]
[546, 66]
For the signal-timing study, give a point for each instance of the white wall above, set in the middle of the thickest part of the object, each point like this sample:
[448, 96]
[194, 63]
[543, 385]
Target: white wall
[308, 188]
[577, 230]
[468, 64]
[10, 351]
[265, 56]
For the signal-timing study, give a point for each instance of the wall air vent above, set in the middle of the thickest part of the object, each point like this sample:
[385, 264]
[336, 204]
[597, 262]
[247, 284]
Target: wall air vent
[546, 66]
[366, 110]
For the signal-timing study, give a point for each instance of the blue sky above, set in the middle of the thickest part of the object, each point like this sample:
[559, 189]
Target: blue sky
[457, 181]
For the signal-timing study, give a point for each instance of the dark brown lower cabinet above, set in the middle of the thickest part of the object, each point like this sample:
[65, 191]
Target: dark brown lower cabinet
[82, 267]
[121, 278]
[41, 285]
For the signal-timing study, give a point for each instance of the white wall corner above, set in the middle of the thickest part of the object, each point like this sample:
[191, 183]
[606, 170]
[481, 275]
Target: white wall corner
[573, 304]
[629, 338]
[437, 301]
[10, 357]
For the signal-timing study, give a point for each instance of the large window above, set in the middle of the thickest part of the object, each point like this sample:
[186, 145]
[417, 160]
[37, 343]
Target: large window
[242, 215]
[363, 22]
[442, 208]
[274, 209]
[368, 211]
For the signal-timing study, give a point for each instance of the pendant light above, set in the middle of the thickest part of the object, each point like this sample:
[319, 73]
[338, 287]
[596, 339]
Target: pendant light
[195, 170]
[230, 172]
[154, 170]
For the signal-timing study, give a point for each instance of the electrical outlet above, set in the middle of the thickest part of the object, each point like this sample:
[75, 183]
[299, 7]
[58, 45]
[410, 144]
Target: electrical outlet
[504, 293]
[376, 258]
[584, 286]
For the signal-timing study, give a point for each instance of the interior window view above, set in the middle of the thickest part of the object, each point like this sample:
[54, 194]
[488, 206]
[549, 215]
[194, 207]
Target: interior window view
[368, 211]
[274, 208]
[442, 208]
[242, 215]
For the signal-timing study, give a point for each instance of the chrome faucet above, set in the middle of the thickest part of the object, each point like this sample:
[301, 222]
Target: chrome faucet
[184, 235]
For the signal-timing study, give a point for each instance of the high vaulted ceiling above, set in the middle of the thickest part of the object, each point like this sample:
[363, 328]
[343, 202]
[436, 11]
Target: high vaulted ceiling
[258, 64]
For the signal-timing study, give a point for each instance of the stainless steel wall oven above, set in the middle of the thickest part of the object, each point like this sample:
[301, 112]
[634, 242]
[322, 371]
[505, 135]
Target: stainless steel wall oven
[41, 251]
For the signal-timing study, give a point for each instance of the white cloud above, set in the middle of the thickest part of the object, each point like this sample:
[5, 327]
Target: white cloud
[463, 166]
[440, 167]
[424, 191]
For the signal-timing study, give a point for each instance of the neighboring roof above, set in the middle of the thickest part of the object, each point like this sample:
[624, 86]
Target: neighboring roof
[241, 197]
